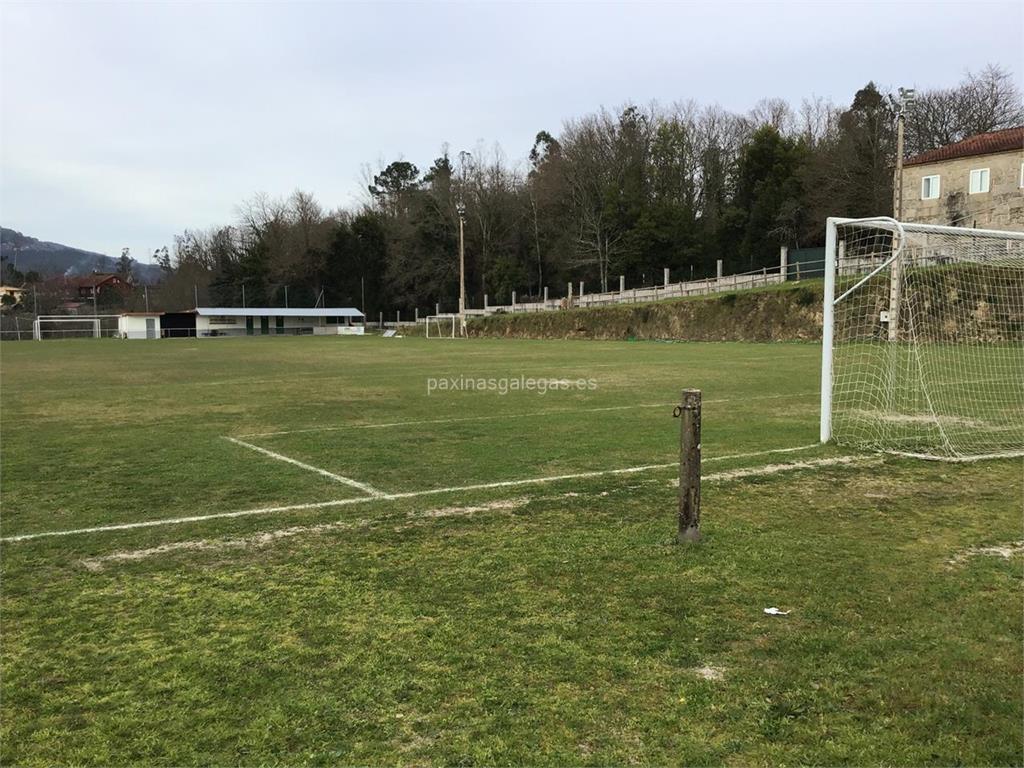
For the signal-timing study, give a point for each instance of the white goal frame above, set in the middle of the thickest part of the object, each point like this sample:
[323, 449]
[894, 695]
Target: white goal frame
[96, 320]
[440, 325]
[833, 265]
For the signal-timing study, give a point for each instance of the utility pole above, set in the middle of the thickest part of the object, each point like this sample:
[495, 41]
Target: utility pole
[243, 295]
[362, 295]
[286, 297]
[195, 293]
[145, 292]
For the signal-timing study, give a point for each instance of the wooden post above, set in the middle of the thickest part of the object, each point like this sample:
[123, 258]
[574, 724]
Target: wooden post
[689, 466]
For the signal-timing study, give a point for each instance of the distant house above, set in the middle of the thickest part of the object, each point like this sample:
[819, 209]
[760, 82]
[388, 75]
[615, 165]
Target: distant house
[977, 182]
[98, 283]
[11, 295]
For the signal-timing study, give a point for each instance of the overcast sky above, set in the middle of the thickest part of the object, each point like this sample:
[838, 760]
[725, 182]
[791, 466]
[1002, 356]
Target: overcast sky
[122, 124]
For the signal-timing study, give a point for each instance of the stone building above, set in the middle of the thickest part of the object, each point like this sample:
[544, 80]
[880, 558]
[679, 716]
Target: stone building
[977, 182]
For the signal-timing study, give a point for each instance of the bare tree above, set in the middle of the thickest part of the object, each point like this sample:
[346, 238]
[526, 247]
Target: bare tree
[985, 101]
[774, 112]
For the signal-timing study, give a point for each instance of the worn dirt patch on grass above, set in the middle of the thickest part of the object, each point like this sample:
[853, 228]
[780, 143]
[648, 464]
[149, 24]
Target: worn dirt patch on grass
[1005, 551]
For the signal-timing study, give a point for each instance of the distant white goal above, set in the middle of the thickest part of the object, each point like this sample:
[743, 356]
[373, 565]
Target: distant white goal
[923, 339]
[74, 326]
[442, 326]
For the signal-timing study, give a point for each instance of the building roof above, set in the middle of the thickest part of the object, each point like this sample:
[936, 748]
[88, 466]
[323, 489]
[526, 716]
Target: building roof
[1008, 140]
[95, 279]
[279, 311]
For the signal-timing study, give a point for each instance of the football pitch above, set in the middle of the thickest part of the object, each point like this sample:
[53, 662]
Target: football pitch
[367, 550]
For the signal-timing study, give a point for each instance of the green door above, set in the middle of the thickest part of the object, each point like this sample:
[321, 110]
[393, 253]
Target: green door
[279, 325]
[248, 326]
[264, 325]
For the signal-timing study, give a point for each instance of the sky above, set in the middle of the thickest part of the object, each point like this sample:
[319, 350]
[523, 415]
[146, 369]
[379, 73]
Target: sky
[121, 124]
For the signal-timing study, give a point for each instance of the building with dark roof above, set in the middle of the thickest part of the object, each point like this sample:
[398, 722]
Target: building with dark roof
[977, 182]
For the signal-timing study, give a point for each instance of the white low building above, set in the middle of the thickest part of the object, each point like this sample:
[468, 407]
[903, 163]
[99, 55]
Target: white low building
[139, 325]
[271, 321]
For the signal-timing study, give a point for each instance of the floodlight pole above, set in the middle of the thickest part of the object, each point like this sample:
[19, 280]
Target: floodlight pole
[906, 99]
[461, 209]
[896, 272]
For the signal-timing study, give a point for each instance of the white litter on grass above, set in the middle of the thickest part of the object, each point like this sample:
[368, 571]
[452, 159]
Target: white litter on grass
[773, 611]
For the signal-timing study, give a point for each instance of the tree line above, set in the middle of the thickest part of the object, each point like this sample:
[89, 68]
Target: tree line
[626, 191]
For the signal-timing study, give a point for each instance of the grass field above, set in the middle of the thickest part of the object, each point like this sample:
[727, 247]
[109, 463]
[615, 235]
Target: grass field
[285, 551]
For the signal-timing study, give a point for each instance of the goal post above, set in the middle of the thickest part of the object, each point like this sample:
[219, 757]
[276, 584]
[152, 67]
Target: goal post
[923, 339]
[441, 326]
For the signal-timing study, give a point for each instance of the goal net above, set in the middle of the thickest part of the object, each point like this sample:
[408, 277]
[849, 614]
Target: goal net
[923, 340]
[442, 326]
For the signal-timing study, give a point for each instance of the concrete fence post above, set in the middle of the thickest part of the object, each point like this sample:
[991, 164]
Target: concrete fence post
[666, 277]
[382, 320]
[416, 314]
[545, 294]
[718, 269]
[784, 262]
[622, 283]
[581, 289]
[689, 466]
[398, 316]
[487, 302]
[437, 309]
[569, 294]
[513, 301]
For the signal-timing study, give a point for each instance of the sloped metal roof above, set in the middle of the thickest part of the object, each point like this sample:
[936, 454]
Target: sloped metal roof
[279, 311]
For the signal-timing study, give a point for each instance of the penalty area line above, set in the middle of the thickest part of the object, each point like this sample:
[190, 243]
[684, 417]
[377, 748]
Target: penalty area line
[724, 476]
[369, 490]
[529, 415]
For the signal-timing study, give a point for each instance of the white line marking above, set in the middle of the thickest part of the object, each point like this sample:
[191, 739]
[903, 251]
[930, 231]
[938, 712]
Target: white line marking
[958, 459]
[770, 469]
[367, 489]
[504, 416]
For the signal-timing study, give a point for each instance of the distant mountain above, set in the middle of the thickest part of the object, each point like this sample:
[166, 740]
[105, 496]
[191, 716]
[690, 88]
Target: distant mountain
[28, 254]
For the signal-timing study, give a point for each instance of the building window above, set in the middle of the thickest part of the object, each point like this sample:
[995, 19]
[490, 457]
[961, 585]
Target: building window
[979, 181]
[930, 187]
